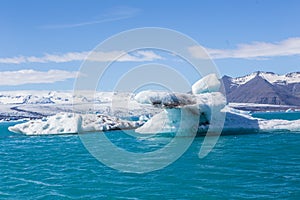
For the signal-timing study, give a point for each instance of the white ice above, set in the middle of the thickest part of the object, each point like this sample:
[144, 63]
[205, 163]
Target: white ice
[68, 123]
[209, 83]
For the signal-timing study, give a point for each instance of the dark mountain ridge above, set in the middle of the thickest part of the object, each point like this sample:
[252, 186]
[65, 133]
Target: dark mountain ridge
[264, 88]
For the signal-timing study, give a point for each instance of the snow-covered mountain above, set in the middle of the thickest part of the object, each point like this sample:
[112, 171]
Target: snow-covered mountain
[264, 87]
[270, 77]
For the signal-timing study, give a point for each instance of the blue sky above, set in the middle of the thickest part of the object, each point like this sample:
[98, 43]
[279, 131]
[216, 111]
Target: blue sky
[43, 43]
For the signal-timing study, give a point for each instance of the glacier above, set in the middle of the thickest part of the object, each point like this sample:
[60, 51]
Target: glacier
[155, 112]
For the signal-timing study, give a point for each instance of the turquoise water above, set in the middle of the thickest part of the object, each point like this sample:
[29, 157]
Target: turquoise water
[249, 166]
[277, 115]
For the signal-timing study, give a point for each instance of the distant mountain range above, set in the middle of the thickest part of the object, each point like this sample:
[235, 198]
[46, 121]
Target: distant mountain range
[258, 87]
[264, 88]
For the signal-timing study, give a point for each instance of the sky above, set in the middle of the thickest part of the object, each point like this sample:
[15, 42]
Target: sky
[44, 43]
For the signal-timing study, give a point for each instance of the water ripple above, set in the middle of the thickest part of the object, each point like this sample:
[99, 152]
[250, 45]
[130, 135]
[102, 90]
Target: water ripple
[260, 166]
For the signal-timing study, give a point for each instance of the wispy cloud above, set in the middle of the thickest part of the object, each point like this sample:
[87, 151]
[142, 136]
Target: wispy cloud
[114, 14]
[255, 50]
[139, 56]
[21, 77]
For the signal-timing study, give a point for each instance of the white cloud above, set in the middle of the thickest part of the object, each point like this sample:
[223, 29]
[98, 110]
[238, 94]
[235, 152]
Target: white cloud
[139, 56]
[114, 14]
[13, 60]
[255, 50]
[21, 77]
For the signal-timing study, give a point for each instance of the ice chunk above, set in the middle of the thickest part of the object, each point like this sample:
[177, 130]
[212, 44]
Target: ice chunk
[279, 125]
[210, 103]
[209, 83]
[68, 123]
[171, 118]
[242, 121]
[105, 123]
[183, 120]
[61, 123]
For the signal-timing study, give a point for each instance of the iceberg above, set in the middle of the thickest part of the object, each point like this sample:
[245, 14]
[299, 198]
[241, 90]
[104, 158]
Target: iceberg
[180, 110]
[60, 123]
[242, 121]
[170, 118]
[279, 125]
[70, 123]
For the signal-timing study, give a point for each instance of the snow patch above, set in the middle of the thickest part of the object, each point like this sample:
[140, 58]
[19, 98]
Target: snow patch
[270, 77]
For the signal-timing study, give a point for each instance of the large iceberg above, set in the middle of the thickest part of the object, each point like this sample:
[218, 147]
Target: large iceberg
[181, 110]
[171, 118]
